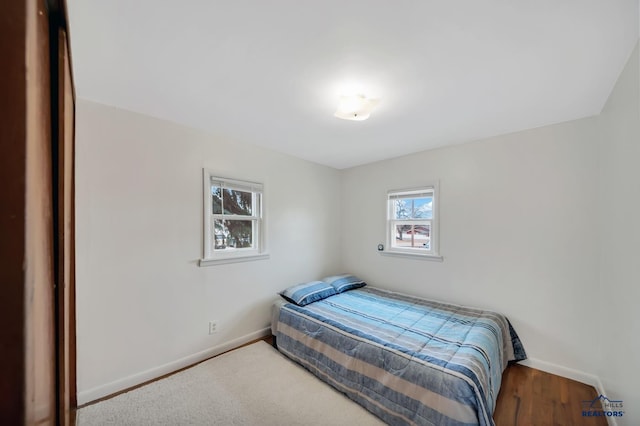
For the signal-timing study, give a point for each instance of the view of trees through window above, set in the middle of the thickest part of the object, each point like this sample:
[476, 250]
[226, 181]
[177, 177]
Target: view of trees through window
[233, 212]
[412, 222]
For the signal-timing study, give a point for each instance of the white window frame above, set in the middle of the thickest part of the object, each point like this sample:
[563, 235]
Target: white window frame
[211, 256]
[433, 253]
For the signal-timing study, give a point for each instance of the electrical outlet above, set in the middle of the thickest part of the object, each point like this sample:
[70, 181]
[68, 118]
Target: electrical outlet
[213, 327]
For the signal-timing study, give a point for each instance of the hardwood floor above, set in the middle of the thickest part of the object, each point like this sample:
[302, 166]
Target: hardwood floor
[533, 397]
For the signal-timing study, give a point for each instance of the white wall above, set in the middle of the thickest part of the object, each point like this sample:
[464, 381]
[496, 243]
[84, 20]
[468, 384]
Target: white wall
[518, 233]
[143, 304]
[619, 294]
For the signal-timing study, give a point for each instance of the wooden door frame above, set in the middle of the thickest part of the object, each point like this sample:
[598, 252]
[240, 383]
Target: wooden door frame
[63, 172]
[28, 169]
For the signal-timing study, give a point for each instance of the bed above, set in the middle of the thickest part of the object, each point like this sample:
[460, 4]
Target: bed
[405, 359]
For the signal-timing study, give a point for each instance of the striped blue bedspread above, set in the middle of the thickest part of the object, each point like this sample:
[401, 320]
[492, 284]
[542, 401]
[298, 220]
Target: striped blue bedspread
[405, 359]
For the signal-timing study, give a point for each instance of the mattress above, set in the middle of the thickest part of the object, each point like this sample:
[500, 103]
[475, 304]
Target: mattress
[407, 360]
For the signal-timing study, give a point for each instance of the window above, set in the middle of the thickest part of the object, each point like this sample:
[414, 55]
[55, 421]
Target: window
[233, 228]
[412, 227]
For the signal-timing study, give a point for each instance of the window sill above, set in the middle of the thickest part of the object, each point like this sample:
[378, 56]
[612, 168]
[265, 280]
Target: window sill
[431, 257]
[237, 259]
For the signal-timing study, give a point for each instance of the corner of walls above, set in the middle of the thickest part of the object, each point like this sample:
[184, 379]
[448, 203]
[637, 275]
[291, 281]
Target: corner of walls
[570, 373]
[619, 179]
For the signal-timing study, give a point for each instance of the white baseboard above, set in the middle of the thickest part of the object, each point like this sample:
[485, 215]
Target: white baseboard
[559, 370]
[600, 389]
[111, 388]
[570, 373]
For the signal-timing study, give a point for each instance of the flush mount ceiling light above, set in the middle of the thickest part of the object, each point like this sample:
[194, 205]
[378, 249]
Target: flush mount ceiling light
[355, 107]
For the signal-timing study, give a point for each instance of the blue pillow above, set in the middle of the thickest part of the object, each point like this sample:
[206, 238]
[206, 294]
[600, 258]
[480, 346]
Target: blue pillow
[344, 282]
[305, 293]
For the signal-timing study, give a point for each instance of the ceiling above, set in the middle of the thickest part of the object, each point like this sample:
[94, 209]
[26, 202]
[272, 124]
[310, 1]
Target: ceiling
[270, 73]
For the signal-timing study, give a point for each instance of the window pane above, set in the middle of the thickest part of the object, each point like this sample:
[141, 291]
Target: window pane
[413, 236]
[230, 234]
[413, 208]
[220, 234]
[216, 195]
[238, 202]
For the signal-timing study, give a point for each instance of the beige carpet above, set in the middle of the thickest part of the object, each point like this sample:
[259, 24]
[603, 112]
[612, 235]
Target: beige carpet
[254, 385]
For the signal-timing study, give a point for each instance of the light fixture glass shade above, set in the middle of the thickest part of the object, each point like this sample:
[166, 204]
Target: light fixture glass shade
[356, 107]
